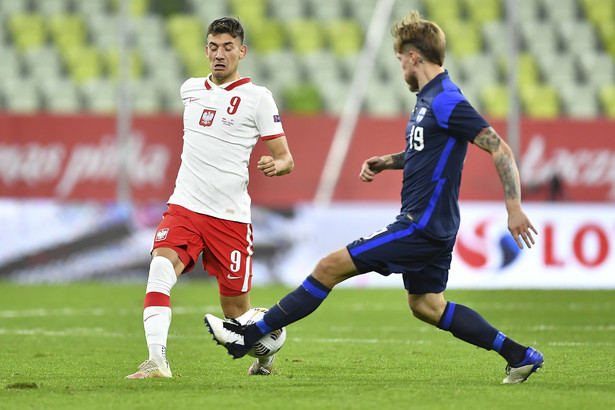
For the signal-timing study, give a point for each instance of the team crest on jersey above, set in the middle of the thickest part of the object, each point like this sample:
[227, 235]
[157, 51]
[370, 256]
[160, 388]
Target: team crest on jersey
[421, 114]
[276, 118]
[161, 235]
[207, 118]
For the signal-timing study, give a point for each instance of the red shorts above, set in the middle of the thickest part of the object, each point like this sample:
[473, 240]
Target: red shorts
[226, 246]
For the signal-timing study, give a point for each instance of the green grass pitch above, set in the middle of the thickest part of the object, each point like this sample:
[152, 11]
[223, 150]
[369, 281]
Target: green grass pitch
[70, 346]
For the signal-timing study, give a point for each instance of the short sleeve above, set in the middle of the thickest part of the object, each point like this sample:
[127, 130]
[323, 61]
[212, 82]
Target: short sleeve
[454, 113]
[466, 122]
[268, 121]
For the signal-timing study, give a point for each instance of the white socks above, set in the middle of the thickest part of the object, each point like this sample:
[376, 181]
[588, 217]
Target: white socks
[157, 307]
[266, 361]
[162, 276]
[156, 322]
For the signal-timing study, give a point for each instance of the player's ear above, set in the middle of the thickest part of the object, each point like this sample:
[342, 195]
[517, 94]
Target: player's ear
[414, 56]
[243, 50]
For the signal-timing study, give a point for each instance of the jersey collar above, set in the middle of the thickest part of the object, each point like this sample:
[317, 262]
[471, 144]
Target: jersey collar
[432, 83]
[228, 86]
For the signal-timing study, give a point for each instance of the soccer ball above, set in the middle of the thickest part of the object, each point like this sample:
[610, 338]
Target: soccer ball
[271, 342]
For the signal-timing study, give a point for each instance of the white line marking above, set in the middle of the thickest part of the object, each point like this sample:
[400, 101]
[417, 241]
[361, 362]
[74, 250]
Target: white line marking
[180, 310]
[77, 331]
[100, 332]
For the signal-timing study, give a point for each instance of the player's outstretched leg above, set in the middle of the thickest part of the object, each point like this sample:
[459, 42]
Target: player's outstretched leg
[229, 334]
[518, 374]
[299, 303]
[149, 369]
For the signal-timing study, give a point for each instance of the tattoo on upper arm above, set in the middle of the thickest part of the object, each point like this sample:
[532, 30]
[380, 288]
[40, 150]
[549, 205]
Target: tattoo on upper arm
[488, 140]
[398, 160]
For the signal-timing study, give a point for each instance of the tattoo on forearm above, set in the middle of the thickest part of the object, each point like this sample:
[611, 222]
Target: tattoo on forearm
[398, 160]
[508, 175]
[490, 141]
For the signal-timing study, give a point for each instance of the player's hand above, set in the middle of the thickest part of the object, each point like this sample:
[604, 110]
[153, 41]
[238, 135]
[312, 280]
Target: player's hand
[267, 166]
[370, 168]
[519, 226]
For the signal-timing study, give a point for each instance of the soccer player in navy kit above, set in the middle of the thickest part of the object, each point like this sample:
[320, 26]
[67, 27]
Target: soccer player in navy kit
[419, 244]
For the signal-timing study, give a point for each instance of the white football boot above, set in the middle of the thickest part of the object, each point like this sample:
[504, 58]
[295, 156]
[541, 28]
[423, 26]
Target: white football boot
[518, 374]
[149, 369]
[262, 366]
[229, 334]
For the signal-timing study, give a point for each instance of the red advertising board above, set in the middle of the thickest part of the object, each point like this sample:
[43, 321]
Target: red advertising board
[75, 157]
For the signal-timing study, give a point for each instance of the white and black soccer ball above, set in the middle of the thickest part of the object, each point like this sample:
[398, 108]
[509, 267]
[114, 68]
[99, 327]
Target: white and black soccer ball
[271, 342]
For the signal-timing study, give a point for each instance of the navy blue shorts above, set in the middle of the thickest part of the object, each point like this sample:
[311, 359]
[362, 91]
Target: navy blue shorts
[402, 247]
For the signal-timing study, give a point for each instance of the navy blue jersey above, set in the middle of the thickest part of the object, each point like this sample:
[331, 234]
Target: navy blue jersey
[437, 136]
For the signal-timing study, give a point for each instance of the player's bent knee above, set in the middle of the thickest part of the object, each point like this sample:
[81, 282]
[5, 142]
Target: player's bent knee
[161, 276]
[172, 256]
[327, 273]
[325, 268]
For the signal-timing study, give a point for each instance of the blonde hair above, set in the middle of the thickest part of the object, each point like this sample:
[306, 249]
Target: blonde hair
[423, 35]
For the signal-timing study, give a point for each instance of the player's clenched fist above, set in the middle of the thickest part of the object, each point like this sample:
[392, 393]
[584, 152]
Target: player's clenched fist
[370, 168]
[267, 166]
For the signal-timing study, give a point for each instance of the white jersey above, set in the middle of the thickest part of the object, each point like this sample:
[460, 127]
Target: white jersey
[221, 126]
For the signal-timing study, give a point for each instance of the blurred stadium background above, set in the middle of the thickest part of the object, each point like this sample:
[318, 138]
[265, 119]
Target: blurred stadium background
[565, 64]
[90, 130]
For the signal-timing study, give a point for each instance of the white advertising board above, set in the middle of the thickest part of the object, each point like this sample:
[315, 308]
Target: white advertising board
[575, 245]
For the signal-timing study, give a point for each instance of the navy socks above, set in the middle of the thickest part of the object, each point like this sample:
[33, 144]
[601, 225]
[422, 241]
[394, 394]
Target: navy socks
[469, 326]
[463, 322]
[294, 306]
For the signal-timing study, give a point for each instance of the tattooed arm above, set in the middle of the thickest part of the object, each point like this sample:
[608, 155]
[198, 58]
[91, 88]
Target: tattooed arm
[491, 142]
[518, 223]
[374, 165]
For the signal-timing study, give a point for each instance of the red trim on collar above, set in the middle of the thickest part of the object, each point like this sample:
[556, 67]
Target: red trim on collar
[237, 83]
[229, 87]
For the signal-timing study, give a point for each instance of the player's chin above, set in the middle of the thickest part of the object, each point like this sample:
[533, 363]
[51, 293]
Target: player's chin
[220, 75]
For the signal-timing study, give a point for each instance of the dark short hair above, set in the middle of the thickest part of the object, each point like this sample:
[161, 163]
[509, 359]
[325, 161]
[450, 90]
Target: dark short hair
[227, 25]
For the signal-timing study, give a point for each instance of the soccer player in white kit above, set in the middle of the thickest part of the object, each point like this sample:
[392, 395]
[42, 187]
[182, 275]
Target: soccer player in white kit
[209, 211]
